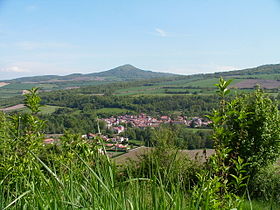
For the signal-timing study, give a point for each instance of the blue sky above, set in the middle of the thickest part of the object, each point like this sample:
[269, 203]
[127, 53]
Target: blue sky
[181, 36]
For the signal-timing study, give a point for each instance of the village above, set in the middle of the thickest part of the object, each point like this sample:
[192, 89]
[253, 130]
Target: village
[118, 124]
[142, 120]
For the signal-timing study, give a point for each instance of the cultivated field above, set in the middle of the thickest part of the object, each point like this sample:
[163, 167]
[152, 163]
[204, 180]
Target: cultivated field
[251, 83]
[13, 108]
[135, 154]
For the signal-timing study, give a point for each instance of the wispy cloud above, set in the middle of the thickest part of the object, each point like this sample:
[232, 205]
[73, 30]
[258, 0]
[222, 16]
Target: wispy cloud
[160, 32]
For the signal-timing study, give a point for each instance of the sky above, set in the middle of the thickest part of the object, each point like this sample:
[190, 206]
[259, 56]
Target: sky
[39, 37]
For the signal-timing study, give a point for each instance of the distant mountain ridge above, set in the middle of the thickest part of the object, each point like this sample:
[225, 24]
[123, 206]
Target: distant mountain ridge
[125, 72]
[129, 71]
[267, 76]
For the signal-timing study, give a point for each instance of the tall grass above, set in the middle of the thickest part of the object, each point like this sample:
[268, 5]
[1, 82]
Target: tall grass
[84, 186]
[102, 187]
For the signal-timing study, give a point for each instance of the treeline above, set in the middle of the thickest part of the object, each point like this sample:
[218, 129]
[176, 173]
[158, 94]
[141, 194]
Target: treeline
[67, 120]
[153, 105]
[184, 138]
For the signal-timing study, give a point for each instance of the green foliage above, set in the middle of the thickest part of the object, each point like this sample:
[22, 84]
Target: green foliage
[246, 137]
[249, 126]
[266, 184]
[207, 194]
[164, 163]
[72, 173]
[21, 142]
[223, 87]
[32, 100]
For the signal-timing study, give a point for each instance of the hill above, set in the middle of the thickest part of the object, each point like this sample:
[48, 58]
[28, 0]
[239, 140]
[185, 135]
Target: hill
[129, 80]
[129, 72]
[264, 69]
[120, 73]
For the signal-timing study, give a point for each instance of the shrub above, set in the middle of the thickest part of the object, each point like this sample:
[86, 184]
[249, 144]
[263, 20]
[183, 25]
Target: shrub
[266, 184]
[165, 163]
[247, 128]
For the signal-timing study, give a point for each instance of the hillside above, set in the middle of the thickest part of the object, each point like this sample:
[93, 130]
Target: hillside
[120, 73]
[264, 69]
[129, 80]
[128, 72]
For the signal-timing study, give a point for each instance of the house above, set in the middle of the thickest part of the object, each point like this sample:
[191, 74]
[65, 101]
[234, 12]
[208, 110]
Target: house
[119, 129]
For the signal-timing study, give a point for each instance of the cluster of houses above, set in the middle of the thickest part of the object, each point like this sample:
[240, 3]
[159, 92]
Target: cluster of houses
[117, 124]
[115, 143]
[115, 139]
[143, 120]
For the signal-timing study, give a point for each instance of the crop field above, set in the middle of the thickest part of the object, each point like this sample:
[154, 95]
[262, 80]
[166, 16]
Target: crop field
[256, 76]
[47, 109]
[19, 86]
[251, 83]
[13, 108]
[136, 154]
[205, 87]
[8, 93]
[196, 84]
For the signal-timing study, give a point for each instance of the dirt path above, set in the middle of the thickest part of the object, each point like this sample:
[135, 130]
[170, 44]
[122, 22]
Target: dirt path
[10, 108]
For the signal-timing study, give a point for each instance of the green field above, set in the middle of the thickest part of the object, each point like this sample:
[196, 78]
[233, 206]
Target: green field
[184, 86]
[47, 109]
[136, 142]
[112, 111]
[199, 129]
[202, 84]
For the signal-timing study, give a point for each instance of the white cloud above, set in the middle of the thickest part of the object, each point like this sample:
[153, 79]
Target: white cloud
[160, 32]
[42, 45]
[25, 68]
[16, 69]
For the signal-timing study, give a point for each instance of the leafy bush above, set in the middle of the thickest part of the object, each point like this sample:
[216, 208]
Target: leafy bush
[266, 184]
[246, 129]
